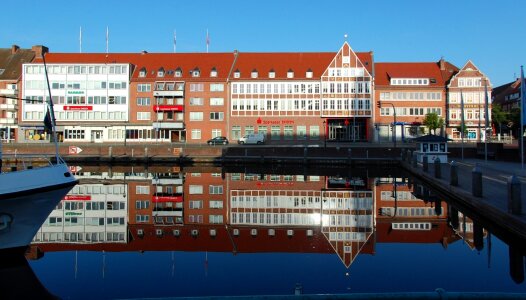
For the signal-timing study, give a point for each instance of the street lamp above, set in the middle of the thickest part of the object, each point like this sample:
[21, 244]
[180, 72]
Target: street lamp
[324, 134]
[394, 122]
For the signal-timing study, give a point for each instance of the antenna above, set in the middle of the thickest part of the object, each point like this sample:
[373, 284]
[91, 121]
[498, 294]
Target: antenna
[175, 40]
[107, 39]
[80, 40]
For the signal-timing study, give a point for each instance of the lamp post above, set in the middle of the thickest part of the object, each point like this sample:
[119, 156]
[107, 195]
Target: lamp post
[325, 134]
[394, 123]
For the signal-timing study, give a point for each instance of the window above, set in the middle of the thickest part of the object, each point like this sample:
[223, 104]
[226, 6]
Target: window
[140, 101]
[196, 116]
[215, 189]
[195, 189]
[217, 116]
[237, 74]
[217, 101]
[217, 87]
[236, 132]
[196, 87]
[216, 204]
[142, 190]
[215, 219]
[144, 87]
[196, 101]
[216, 133]
[196, 204]
[288, 132]
[196, 134]
[143, 115]
[271, 74]
[275, 132]
[142, 204]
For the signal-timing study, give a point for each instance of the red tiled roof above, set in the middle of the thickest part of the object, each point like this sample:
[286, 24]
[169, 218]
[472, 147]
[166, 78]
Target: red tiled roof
[386, 71]
[282, 62]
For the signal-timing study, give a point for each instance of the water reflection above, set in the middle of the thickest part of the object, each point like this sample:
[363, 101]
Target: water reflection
[238, 210]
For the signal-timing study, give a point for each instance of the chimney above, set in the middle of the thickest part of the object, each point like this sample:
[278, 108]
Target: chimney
[442, 64]
[39, 50]
[14, 48]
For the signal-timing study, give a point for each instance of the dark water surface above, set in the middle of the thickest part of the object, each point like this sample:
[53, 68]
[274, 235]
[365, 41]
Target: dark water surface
[224, 232]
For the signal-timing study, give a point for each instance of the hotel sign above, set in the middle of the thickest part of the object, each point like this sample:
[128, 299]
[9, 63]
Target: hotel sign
[77, 198]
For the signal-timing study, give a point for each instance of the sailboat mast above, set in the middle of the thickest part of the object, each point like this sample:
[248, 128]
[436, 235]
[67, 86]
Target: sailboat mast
[51, 109]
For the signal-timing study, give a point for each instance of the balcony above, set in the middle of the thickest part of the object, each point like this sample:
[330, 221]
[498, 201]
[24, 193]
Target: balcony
[168, 93]
[8, 92]
[161, 181]
[176, 108]
[8, 107]
[6, 121]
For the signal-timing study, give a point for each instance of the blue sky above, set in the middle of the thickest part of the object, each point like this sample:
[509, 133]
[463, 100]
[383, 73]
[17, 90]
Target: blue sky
[490, 33]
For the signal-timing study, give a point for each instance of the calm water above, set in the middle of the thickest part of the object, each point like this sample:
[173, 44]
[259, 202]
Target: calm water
[165, 232]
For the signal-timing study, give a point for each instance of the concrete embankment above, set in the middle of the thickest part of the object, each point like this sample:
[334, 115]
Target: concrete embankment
[165, 153]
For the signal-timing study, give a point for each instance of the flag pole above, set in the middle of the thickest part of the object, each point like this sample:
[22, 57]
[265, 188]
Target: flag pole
[175, 40]
[207, 40]
[80, 40]
[462, 122]
[107, 39]
[486, 119]
[521, 131]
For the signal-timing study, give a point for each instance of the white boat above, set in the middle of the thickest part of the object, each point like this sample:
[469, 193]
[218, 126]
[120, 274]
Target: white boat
[30, 190]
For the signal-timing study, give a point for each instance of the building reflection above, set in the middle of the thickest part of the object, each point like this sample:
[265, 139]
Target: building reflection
[165, 208]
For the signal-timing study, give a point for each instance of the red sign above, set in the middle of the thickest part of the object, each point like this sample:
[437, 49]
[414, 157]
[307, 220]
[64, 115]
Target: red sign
[77, 198]
[274, 122]
[78, 107]
[167, 198]
[168, 108]
[74, 150]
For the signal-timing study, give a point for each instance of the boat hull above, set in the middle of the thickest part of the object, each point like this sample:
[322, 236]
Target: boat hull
[31, 198]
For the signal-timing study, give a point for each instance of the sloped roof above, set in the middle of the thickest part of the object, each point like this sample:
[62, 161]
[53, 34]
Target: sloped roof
[283, 62]
[499, 93]
[384, 71]
[11, 63]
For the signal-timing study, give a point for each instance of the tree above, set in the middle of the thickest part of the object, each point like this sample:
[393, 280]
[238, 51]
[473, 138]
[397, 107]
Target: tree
[432, 121]
[498, 116]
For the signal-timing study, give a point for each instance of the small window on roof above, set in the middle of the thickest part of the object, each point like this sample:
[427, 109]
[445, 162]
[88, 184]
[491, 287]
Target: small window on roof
[178, 72]
[142, 72]
[196, 72]
[254, 74]
[271, 74]
[213, 72]
[160, 72]
[308, 74]
[237, 74]
[290, 73]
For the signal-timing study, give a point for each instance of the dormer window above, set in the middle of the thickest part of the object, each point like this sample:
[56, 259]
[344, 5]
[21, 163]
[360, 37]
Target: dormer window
[196, 72]
[290, 73]
[142, 72]
[237, 74]
[178, 72]
[160, 72]
[254, 74]
[213, 72]
[271, 74]
[308, 74]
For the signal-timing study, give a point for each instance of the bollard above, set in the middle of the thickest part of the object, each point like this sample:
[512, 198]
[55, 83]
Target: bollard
[415, 162]
[403, 154]
[438, 168]
[478, 236]
[453, 177]
[424, 163]
[145, 151]
[305, 155]
[349, 155]
[476, 181]
[514, 196]
[110, 151]
[246, 152]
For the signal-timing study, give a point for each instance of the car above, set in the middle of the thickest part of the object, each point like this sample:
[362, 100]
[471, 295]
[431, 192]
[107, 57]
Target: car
[218, 140]
[254, 138]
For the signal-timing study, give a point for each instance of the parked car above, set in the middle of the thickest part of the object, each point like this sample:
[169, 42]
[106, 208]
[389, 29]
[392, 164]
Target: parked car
[218, 140]
[256, 138]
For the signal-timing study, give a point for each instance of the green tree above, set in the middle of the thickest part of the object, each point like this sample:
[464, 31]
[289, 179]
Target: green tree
[498, 116]
[432, 121]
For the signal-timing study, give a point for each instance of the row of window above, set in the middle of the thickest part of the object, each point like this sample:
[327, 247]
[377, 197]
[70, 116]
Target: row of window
[301, 219]
[346, 72]
[93, 221]
[76, 69]
[80, 237]
[273, 201]
[469, 114]
[89, 189]
[212, 219]
[410, 111]
[468, 97]
[277, 133]
[198, 204]
[214, 116]
[409, 81]
[212, 189]
[78, 115]
[271, 177]
[409, 96]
